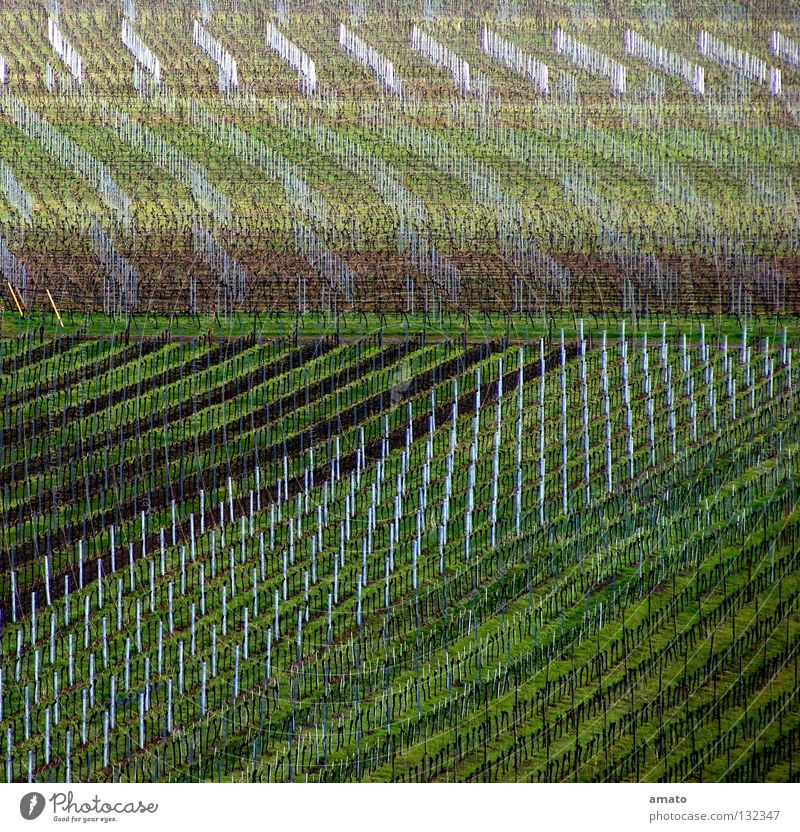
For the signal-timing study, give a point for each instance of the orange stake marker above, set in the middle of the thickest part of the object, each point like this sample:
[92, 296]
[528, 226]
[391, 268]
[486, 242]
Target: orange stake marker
[16, 301]
[55, 308]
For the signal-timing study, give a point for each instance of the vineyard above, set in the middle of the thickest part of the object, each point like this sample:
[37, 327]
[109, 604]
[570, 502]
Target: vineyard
[573, 559]
[399, 392]
[215, 157]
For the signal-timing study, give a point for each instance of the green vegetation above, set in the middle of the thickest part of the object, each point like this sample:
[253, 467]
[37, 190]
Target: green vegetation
[427, 415]
[275, 559]
[354, 199]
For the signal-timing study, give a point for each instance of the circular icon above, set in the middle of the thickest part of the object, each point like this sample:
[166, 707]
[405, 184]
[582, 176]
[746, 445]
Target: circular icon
[32, 805]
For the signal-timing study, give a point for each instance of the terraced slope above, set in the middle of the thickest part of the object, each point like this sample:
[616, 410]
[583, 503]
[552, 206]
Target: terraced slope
[375, 560]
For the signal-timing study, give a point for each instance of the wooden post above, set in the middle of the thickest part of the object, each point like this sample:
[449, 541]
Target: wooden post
[55, 308]
[15, 299]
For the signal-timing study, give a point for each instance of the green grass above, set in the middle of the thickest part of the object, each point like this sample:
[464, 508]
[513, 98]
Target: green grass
[477, 325]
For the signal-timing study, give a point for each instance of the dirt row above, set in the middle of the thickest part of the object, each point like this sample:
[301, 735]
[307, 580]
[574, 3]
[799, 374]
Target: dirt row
[216, 355]
[286, 284]
[160, 499]
[347, 463]
[58, 380]
[260, 418]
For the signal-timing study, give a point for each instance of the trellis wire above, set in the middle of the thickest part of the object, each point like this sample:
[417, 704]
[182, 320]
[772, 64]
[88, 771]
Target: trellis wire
[68, 154]
[369, 57]
[15, 193]
[228, 71]
[589, 59]
[137, 48]
[121, 281]
[440, 55]
[664, 59]
[146, 678]
[511, 56]
[232, 276]
[727, 56]
[784, 47]
[13, 269]
[164, 154]
[295, 57]
[64, 49]
[329, 265]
